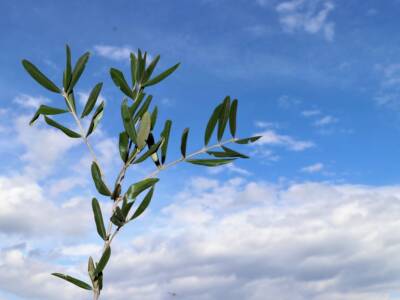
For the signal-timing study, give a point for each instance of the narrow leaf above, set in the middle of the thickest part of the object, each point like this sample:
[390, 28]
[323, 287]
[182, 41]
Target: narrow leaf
[67, 131]
[232, 117]
[98, 218]
[135, 105]
[91, 268]
[123, 145]
[103, 260]
[154, 117]
[73, 280]
[119, 80]
[210, 162]
[161, 76]
[234, 153]
[223, 117]
[40, 77]
[184, 141]
[144, 204]
[151, 68]
[94, 94]
[212, 122]
[135, 189]
[98, 180]
[153, 149]
[68, 68]
[98, 114]
[165, 134]
[78, 70]
[133, 68]
[248, 140]
[128, 123]
[143, 108]
[144, 130]
[46, 110]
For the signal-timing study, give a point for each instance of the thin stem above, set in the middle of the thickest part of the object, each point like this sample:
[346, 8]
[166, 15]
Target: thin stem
[200, 151]
[82, 131]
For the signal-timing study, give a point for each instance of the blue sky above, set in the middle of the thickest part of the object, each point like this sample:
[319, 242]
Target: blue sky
[318, 79]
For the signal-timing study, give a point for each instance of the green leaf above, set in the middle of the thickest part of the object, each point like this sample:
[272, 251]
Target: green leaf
[212, 122]
[78, 70]
[119, 80]
[143, 108]
[46, 110]
[40, 77]
[67, 131]
[68, 68]
[248, 140]
[73, 280]
[98, 114]
[161, 76]
[135, 105]
[150, 143]
[103, 260]
[184, 141]
[165, 134]
[128, 123]
[153, 149]
[94, 94]
[98, 180]
[223, 117]
[133, 68]
[140, 67]
[210, 162]
[154, 117]
[126, 207]
[118, 217]
[144, 204]
[91, 268]
[151, 68]
[123, 145]
[70, 99]
[233, 153]
[144, 130]
[232, 117]
[227, 153]
[135, 189]
[98, 218]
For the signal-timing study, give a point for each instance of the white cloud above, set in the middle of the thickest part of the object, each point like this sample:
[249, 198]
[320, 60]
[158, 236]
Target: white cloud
[315, 168]
[310, 113]
[271, 138]
[29, 101]
[326, 120]
[310, 16]
[242, 240]
[43, 147]
[116, 53]
[113, 52]
[25, 209]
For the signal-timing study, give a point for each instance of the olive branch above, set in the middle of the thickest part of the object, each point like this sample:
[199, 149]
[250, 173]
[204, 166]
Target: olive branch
[137, 143]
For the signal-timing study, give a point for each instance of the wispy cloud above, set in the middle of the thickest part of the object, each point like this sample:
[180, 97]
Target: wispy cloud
[315, 168]
[310, 113]
[272, 138]
[114, 52]
[310, 16]
[326, 120]
[29, 101]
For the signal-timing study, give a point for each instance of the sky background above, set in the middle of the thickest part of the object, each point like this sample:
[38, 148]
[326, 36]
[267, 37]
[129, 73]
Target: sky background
[314, 214]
